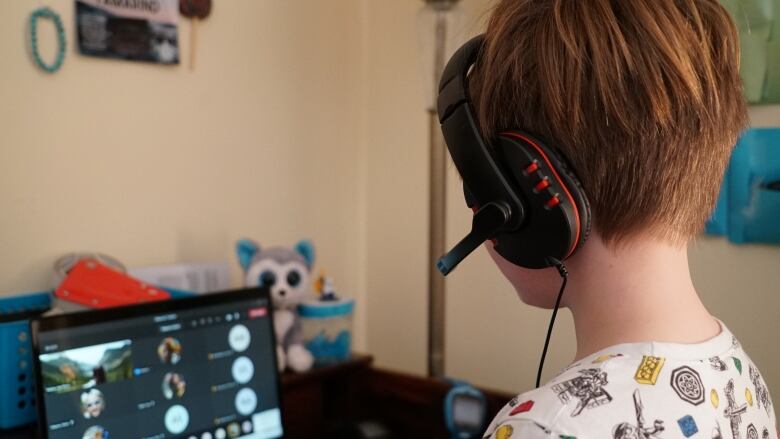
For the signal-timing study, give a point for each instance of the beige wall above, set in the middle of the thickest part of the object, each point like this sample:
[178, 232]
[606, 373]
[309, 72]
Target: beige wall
[492, 339]
[397, 182]
[156, 164]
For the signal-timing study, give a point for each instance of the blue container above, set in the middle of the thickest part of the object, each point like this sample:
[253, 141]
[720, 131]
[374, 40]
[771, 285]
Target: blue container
[17, 377]
[327, 329]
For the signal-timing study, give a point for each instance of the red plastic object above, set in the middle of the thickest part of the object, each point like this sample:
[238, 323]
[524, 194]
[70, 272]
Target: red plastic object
[552, 202]
[94, 285]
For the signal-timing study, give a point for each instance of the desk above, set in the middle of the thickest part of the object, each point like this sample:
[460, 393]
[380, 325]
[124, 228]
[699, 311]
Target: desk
[326, 400]
[323, 402]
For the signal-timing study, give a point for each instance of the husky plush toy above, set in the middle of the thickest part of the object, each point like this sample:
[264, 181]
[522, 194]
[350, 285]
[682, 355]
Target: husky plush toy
[286, 272]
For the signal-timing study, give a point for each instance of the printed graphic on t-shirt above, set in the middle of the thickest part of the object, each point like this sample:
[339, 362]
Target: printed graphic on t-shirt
[648, 390]
[587, 389]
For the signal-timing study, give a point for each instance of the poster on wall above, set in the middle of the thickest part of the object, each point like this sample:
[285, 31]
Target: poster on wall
[138, 30]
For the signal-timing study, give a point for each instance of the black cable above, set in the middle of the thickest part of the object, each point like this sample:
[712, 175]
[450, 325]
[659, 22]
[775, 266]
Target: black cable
[565, 277]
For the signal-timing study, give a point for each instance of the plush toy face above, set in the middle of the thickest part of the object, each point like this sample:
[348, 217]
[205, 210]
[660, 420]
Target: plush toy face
[288, 281]
[285, 271]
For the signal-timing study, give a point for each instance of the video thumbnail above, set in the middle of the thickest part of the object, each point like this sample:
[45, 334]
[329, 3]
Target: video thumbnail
[169, 350]
[92, 403]
[86, 367]
[96, 432]
[173, 385]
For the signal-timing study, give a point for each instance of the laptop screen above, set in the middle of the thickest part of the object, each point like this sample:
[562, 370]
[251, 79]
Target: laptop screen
[200, 368]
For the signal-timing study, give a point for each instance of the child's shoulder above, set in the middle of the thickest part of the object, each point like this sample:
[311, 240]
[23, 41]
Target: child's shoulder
[620, 393]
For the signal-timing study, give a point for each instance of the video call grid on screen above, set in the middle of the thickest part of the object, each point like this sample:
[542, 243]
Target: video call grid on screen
[202, 371]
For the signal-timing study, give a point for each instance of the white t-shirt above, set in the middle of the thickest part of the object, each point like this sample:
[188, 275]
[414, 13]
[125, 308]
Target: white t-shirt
[647, 390]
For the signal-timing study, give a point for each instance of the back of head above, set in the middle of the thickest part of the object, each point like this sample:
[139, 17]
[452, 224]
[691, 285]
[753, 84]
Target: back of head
[642, 96]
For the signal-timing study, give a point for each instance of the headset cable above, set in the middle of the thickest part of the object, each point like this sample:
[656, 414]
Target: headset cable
[561, 267]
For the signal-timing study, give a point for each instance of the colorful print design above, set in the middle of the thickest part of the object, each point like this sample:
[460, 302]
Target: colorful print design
[687, 383]
[688, 425]
[504, 432]
[627, 430]
[522, 408]
[741, 407]
[588, 388]
[714, 398]
[603, 358]
[649, 369]
[737, 364]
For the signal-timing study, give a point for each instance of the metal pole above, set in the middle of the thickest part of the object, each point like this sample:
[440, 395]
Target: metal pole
[437, 214]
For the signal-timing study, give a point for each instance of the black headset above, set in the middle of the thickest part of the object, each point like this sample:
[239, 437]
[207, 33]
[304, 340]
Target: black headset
[524, 197]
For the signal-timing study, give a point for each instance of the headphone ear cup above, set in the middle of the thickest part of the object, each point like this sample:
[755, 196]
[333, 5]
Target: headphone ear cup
[580, 198]
[559, 219]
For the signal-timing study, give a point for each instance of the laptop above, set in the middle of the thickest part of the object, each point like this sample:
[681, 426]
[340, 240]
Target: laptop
[201, 367]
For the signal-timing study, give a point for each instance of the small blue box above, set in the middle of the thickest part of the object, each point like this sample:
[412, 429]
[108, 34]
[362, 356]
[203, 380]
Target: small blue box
[688, 425]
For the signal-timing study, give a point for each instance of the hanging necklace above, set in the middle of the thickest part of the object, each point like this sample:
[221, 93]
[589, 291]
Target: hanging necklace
[45, 12]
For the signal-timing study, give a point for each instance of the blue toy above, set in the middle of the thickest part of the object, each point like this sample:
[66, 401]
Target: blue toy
[287, 273]
[465, 411]
[324, 287]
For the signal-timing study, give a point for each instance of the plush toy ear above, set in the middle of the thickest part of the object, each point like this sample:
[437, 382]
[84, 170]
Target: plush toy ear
[305, 248]
[246, 249]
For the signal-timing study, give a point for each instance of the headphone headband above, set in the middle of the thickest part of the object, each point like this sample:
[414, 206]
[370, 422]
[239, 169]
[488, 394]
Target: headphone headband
[453, 87]
[498, 207]
[532, 217]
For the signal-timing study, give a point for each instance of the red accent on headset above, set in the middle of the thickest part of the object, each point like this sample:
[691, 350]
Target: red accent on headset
[557, 177]
[552, 202]
[543, 184]
[532, 167]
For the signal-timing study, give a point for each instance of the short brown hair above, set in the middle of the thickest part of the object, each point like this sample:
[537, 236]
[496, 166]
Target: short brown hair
[642, 96]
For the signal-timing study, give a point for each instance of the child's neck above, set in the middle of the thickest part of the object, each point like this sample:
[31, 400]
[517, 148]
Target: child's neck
[636, 293]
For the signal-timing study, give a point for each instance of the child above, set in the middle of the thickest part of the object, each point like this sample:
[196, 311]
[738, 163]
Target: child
[643, 98]
[92, 403]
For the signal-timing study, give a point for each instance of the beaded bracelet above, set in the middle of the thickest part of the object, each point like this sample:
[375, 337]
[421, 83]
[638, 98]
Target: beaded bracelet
[45, 12]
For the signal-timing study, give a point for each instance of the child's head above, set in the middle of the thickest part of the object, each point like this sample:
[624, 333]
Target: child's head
[92, 403]
[643, 98]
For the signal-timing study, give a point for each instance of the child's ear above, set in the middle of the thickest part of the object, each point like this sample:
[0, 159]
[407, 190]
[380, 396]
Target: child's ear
[246, 250]
[305, 248]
